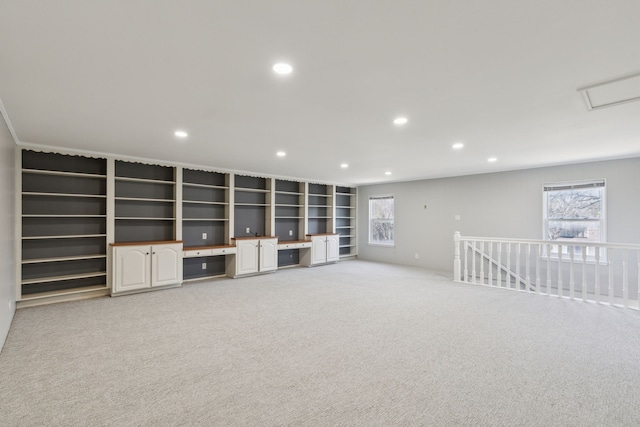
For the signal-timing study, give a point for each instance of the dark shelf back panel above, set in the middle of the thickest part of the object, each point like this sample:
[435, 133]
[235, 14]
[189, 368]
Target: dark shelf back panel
[38, 183]
[250, 197]
[287, 211]
[250, 182]
[343, 222]
[283, 226]
[202, 177]
[143, 230]
[291, 186]
[62, 226]
[288, 199]
[54, 205]
[63, 163]
[147, 190]
[144, 209]
[203, 194]
[317, 226]
[192, 233]
[37, 249]
[317, 189]
[144, 171]
[192, 267]
[62, 285]
[345, 251]
[249, 216]
[49, 269]
[288, 257]
[203, 211]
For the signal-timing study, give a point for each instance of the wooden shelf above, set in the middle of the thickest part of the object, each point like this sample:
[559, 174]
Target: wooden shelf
[63, 278]
[144, 180]
[203, 202]
[206, 219]
[61, 216]
[63, 173]
[143, 199]
[143, 218]
[252, 190]
[73, 291]
[31, 193]
[65, 236]
[291, 193]
[216, 187]
[62, 258]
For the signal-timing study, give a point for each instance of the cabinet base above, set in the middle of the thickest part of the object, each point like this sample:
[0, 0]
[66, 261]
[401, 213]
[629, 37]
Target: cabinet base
[139, 291]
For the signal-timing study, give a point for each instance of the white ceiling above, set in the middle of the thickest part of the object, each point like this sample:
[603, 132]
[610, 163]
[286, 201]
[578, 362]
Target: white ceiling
[499, 75]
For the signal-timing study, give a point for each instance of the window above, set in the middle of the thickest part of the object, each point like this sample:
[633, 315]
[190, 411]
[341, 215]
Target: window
[574, 212]
[381, 220]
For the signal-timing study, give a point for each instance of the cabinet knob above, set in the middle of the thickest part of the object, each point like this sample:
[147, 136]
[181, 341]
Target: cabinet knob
[147, 253]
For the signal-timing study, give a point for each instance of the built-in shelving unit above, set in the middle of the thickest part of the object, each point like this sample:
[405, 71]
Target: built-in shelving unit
[205, 222]
[345, 218]
[289, 218]
[252, 206]
[64, 223]
[145, 199]
[320, 198]
[71, 207]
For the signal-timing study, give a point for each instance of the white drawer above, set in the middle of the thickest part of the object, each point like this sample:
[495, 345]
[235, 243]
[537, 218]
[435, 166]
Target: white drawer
[223, 251]
[303, 245]
[197, 253]
[286, 245]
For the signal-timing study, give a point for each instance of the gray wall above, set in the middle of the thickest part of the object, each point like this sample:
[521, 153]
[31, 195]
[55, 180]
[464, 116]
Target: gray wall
[7, 233]
[504, 204]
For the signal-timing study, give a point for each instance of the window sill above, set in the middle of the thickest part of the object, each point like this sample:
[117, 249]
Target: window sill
[383, 245]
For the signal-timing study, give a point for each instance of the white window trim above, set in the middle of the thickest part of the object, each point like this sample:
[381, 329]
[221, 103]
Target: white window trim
[590, 258]
[369, 242]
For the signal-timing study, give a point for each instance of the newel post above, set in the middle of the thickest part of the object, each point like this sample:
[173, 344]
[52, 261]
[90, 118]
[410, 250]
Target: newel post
[456, 257]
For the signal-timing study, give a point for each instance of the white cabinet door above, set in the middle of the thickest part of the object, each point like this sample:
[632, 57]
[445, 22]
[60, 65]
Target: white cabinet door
[333, 248]
[166, 264]
[318, 249]
[247, 256]
[268, 255]
[132, 268]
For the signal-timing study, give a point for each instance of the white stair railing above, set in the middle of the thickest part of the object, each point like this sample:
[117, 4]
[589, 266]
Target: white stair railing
[598, 272]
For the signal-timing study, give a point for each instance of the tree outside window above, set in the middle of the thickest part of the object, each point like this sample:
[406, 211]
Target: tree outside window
[574, 212]
[381, 220]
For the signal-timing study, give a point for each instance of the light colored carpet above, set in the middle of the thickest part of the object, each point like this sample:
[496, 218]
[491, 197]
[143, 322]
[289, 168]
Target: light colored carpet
[351, 344]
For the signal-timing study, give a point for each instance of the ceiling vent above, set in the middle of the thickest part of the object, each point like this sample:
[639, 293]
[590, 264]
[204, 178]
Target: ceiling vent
[613, 92]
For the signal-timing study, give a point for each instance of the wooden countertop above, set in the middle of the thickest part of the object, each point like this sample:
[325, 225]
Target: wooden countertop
[161, 242]
[201, 248]
[254, 237]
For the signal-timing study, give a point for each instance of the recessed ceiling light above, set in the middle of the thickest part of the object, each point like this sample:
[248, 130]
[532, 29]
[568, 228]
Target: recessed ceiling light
[181, 134]
[387, 173]
[281, 154]
[282, 68]
[344, 165]
[457, 145]
[400, 121]
[492, 159]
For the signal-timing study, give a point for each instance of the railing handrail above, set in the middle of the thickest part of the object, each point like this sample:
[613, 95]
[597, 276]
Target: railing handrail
[629, 246]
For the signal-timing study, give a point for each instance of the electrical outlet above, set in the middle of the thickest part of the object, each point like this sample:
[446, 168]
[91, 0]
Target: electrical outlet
[290, 232]
[248, 230]
[204, 265]
[416, 255]
[204, 236]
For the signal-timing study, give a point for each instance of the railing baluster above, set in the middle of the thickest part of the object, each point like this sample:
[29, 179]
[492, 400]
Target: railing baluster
[584, 273]
[548, 268]
[571, 279]
[490, 263]
[508, 273]
[610, 276]
[517, 278]
[538, 250]
[466, 264]
[482, 263]
[473, 262]
[560, 270]
[499, 269]
[597, 275]
[527, 274]
[625, 279]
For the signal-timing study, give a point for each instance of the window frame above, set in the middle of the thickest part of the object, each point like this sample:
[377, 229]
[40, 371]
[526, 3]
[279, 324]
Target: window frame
[371, 242]
[566, 243]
